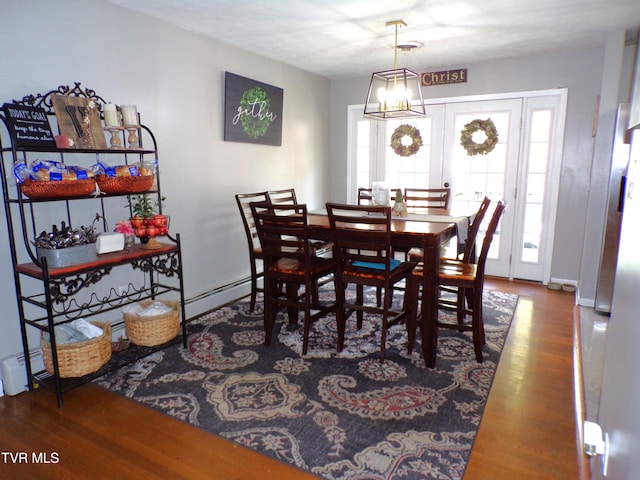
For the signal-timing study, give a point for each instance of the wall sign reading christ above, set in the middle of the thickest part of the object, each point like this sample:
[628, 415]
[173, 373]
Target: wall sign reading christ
[252, 111]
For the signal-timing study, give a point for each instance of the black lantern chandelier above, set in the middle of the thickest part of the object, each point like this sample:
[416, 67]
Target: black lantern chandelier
[395, 93]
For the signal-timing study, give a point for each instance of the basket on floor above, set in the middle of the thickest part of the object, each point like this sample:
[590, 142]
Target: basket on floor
[149, 331]
[79, 358]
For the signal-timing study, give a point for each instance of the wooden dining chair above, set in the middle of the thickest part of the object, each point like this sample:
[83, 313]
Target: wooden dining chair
[362, 239]
[468, 247]
[285, 196]
[255, 250]
[416, 198]
[468, 278]
[290, 261]
[288, 196]
[365, 195]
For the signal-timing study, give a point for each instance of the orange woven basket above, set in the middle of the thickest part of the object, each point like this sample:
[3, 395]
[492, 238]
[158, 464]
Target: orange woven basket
[58, 189]
[120, 185]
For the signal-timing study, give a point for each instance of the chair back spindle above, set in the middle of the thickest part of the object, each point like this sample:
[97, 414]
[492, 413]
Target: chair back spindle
[427, 197]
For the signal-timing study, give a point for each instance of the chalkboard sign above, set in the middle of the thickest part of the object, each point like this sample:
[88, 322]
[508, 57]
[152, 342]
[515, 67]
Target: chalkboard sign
[29, 126]
[252, 111]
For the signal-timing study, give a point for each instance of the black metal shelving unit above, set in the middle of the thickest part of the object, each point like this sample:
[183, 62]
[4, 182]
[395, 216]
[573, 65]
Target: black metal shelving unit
[47, 297]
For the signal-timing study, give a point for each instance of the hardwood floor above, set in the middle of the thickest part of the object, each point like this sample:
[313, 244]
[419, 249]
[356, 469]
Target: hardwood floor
[528, 430]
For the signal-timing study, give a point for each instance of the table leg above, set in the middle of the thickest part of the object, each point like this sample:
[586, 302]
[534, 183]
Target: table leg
[411, 302]
[429, 325]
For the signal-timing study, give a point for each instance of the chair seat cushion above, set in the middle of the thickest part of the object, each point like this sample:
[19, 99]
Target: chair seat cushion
[451, 269]
[393, 263]
[401, 270]
[292, 266]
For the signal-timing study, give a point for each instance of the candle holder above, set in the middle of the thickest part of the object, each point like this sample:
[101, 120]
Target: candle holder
[133, 140]
[115, 141]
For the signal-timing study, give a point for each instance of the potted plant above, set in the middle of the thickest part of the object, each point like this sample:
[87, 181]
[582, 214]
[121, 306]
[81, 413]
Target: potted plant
[399, 207]
[146, 221]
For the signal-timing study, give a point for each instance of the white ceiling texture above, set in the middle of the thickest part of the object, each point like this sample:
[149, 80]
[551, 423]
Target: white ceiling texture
[347, 38]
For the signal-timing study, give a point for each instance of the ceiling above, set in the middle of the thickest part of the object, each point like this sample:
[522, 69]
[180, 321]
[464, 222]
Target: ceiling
[348, 38]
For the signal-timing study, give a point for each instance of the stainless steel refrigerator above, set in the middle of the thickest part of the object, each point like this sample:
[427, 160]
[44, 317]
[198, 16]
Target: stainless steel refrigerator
[617, 181]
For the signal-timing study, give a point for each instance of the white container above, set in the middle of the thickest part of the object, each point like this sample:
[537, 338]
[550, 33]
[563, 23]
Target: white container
[14, 376]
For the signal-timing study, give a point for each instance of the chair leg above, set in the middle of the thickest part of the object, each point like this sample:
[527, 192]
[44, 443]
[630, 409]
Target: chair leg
[388, 299]
[292, 293]
[411, 300]
[478, 329]
[359, 301]
[254, 287]
[340, 314]
[307, 316]
[269, 311]
[471, 301]
[461, 306]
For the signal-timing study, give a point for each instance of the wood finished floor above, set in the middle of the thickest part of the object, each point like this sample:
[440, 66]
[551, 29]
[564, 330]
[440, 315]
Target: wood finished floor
[528, 430]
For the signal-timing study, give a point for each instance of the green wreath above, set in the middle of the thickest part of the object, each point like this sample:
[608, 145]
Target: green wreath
[254, 126]
[408, 131]
[473, 148]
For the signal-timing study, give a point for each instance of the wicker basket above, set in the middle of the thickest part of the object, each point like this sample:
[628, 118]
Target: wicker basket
[149, 331]
[58, 189]
[121, 185]
[79, 358]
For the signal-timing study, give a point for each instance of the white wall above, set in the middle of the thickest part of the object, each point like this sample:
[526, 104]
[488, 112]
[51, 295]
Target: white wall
[177, 80]
[579, 71]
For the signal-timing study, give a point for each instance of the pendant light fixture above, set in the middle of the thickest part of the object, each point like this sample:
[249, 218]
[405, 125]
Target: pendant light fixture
[395, 93]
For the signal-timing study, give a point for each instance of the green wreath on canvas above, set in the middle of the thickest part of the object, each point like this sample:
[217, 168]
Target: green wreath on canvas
[399, 133]
[489, 129]
[254, 126]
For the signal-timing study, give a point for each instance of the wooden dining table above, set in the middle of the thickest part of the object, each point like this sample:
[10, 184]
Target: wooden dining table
[406, 234]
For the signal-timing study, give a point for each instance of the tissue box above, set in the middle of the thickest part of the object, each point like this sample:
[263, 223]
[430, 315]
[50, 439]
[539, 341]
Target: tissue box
[110, 242]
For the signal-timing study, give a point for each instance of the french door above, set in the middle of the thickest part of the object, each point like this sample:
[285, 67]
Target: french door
[522, 169]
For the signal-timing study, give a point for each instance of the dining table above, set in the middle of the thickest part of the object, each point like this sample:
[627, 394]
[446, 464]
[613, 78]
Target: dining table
[429, 229]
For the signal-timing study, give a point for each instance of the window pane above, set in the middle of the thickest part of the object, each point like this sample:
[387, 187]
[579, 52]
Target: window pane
[363, 159]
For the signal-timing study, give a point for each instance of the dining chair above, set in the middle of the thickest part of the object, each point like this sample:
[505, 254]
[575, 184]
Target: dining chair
[255, 251]
[362, 247]
[365, 196]
[468, 247]
[290, 261]
[469, 280]
[427, 197]
[286, 196]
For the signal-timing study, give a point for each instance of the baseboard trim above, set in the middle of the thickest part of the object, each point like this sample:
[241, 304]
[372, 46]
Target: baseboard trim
[584, 466]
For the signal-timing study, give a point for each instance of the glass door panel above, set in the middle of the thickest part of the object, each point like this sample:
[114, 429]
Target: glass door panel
[472, 177]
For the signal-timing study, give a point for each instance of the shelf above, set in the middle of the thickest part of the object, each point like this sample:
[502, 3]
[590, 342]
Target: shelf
[61, 294]
[103, 261]
[118, 360]
[26, 199]
[132, 151]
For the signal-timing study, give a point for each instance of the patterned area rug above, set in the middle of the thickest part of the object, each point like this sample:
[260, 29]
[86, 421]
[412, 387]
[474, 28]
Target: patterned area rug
[339, 416]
